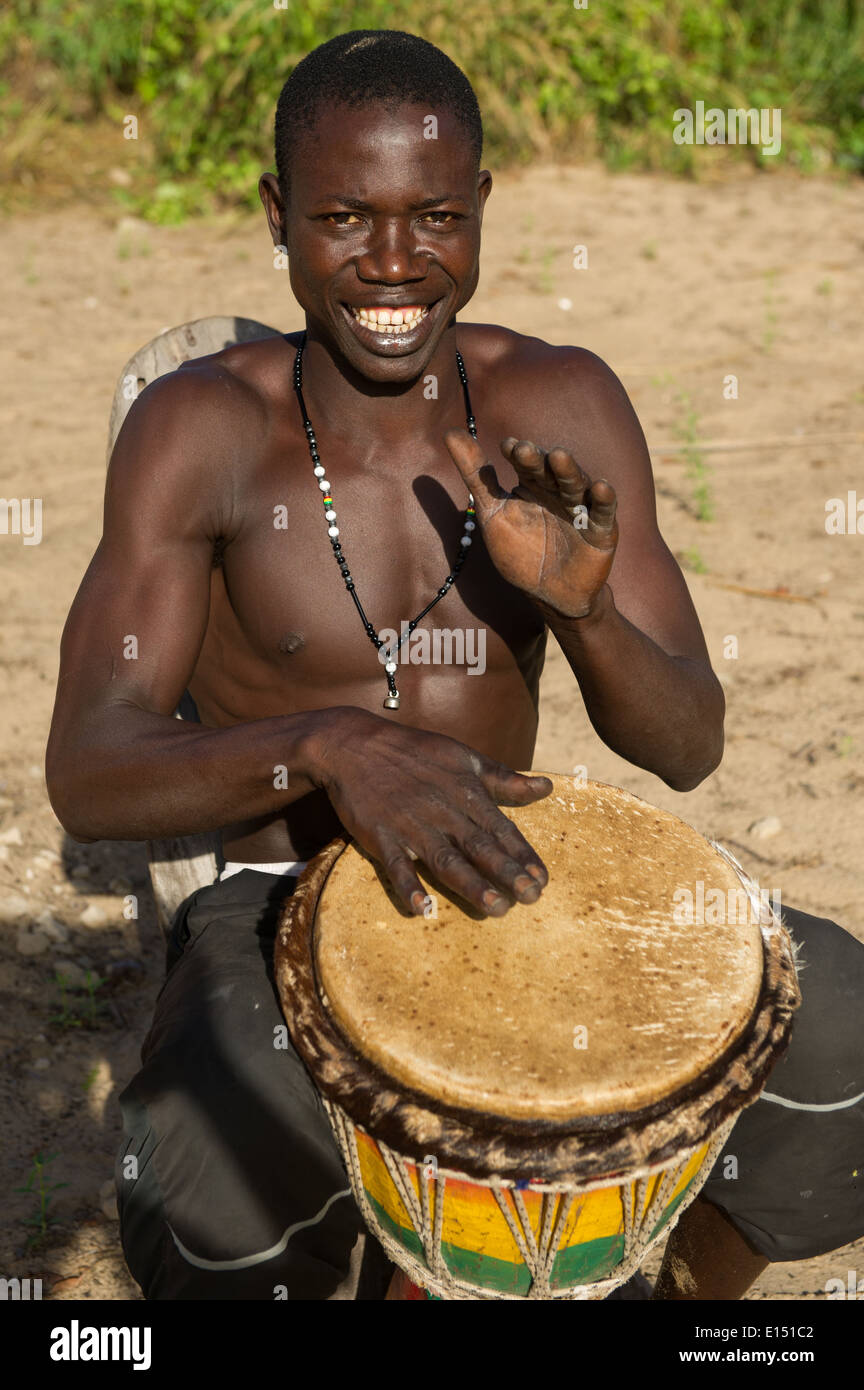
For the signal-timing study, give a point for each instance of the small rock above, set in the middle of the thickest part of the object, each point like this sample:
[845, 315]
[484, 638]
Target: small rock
[31, 942]
[13, 907]
[132, 224]
[73, 976]
[79, 870]
[91, 302]
[42, 1064]
[108, 1199]
[12, 836]
[34, 770]
[56, 931]
[120, 886]
[4, 853]
[766, 828]
[93, 916]
[40, 1037]
[121, 177]
[44, 861]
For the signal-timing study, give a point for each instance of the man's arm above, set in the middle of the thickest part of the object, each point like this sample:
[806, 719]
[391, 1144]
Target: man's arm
[639, 655]
[119, 766]
[611, 592]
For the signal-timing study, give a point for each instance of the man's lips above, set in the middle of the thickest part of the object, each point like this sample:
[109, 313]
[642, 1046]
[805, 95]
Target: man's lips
[378, 325]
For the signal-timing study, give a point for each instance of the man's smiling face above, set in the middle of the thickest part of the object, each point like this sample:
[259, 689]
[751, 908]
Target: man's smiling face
[383, 233]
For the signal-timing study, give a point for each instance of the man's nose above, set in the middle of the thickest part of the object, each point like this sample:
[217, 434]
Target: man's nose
[392, 254]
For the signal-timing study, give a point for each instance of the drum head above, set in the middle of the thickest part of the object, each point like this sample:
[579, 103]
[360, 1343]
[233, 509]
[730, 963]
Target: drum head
[595, 1032]
[600, 997]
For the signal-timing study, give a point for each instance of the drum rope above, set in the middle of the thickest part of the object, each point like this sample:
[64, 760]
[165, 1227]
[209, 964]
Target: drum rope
[565, 1203]
[527, 1256]
[434, 1274]
[525, 1222]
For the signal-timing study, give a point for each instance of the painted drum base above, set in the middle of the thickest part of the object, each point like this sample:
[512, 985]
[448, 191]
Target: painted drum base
[463, 1239]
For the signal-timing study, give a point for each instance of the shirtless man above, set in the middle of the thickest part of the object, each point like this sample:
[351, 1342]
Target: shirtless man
[237, 1189]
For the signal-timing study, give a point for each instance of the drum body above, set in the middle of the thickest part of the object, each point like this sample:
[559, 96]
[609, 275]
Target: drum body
[526, 1104]
[465, 1239]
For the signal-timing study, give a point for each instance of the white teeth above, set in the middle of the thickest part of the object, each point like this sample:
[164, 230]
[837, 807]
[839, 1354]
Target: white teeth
[391, 320]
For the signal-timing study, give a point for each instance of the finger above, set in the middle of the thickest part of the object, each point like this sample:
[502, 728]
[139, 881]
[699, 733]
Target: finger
[487, 853]
[528, 460]
[503, 784]
[450, 866]
[403, 876]
[479, 476]
[602, 504]
[492, 783]
[513, 842]
[572, 482]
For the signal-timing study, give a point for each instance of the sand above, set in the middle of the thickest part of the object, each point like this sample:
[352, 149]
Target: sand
[756, 277]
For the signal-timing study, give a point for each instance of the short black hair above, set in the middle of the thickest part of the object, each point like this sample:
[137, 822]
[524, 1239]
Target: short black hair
[366, 67]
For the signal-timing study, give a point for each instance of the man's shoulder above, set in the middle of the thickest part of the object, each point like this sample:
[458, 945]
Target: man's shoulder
[244, 373]
[226, 395]
[565, 375]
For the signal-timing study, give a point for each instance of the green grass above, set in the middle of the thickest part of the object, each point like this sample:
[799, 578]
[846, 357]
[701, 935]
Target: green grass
[38, 1186]
[202, 77]
[698, 471]
[693, 561]
[77, 1012]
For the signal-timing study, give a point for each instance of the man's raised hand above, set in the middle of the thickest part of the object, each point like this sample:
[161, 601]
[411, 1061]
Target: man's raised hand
[554, 535]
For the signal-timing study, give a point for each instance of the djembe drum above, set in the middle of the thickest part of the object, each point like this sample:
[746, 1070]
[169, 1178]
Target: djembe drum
[526, 1104]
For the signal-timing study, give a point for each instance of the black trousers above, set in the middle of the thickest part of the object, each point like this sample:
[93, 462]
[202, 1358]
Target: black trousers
[230, 1184]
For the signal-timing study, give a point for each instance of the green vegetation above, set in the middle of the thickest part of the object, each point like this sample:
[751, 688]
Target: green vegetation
[698, 471]
[693, 561]
[202, 78]
[40, 1189]
[75, 1012]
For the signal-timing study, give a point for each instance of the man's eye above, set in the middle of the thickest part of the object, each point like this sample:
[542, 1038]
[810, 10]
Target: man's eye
[340, 218]
[446, 215]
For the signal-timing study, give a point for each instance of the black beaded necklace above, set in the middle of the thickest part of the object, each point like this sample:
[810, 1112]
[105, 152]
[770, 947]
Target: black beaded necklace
[392, 700]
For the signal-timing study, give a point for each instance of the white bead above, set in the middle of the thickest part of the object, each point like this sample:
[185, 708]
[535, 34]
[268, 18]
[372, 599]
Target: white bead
[466, 540]
[390, 667]
[469, 525]
[333, 531]
[318, 471]
[324, 485]
[331, 515]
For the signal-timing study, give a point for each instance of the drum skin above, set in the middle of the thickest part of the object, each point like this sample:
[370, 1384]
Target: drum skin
[591, 1000]
[525, 1103]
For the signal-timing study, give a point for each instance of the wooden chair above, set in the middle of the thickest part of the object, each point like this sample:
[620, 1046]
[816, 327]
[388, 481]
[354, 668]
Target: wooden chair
[183, 863]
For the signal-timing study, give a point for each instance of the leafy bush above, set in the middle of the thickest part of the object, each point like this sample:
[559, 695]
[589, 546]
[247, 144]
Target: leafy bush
[202, 76]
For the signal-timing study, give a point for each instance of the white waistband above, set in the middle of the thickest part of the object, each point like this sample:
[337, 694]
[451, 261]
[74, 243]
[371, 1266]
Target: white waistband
[289, 866]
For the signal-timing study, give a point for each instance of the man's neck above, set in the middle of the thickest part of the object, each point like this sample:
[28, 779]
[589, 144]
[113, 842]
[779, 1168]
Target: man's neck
[343, 403]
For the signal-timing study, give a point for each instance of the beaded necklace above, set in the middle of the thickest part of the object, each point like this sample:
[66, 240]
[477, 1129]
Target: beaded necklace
[392, 700]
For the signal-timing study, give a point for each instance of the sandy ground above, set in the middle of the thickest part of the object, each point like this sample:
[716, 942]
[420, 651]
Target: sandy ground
[759, 277]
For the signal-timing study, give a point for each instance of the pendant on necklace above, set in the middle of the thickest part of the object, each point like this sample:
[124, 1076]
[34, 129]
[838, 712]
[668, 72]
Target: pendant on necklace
[392, 701]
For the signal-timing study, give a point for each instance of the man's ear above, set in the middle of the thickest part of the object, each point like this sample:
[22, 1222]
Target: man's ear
[271, 196]
[484, 188]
